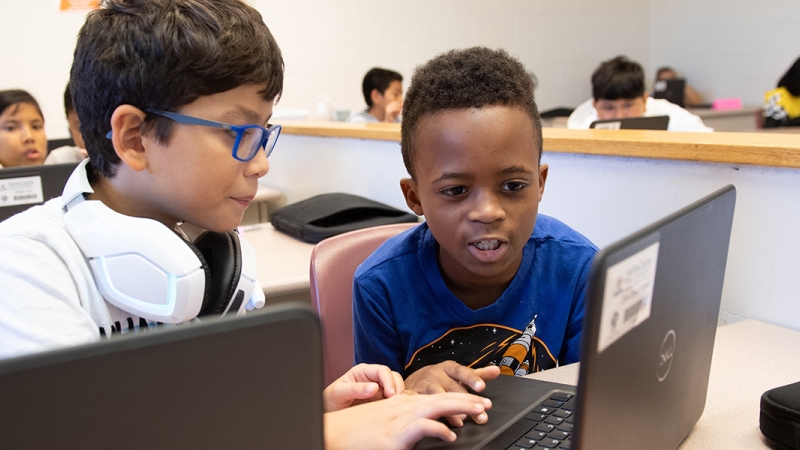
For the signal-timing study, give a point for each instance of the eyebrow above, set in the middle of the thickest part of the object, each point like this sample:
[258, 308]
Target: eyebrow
[516, 169]
[241, 112]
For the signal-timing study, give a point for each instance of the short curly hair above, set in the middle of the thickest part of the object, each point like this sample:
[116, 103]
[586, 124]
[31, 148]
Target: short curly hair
[474, 77]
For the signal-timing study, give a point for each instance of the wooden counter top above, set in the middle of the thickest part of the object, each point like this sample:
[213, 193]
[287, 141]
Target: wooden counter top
[760, 149]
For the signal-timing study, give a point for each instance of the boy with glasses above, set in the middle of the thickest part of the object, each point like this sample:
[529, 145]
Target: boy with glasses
[484, 286]
[174, 99]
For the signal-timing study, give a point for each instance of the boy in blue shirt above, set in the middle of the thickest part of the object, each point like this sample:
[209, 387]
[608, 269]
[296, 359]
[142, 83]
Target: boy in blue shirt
[483, 283]
[174, 99]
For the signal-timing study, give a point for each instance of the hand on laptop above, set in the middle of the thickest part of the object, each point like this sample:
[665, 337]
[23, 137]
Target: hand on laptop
[361, 384]
[449, 376]
[400, 421]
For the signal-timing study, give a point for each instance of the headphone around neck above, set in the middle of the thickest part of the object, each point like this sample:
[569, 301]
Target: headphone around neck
[147, 269]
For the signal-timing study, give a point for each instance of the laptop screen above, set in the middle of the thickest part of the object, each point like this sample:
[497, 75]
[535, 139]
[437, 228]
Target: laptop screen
[23, 187]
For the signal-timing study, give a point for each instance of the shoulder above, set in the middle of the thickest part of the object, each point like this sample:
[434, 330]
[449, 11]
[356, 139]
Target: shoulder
[362, 117]
[42, 223]
[582, 116]
[551, 230]
[396, 250]
[66, 154]
[680, 119]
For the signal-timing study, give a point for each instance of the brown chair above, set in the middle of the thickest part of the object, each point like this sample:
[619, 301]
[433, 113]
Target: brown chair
[333, 264]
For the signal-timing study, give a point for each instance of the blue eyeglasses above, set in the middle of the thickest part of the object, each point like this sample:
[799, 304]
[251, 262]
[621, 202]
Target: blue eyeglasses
[249, 138]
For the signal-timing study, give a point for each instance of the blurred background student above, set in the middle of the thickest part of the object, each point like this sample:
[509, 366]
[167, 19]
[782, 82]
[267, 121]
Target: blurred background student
[22, 138]
[69, 153]
[383, 92]
[690, 96]
[782, 104]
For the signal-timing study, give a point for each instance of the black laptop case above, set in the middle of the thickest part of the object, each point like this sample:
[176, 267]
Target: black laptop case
[326, 215]
[780, 416]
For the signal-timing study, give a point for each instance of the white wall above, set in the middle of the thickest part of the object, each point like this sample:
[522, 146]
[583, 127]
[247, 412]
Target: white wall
[725, 48]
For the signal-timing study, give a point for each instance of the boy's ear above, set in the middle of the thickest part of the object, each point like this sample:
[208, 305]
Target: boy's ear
[409, 188]
[126, 136]
[543, 170]
[376, 96]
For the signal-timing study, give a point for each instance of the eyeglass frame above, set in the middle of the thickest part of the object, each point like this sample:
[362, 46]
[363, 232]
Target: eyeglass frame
[239, 129]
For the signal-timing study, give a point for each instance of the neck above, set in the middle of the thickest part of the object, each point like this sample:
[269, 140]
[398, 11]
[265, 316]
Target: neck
[378, 112]
[114, 195]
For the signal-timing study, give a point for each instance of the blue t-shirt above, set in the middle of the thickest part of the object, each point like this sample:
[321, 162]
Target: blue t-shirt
[405, 317]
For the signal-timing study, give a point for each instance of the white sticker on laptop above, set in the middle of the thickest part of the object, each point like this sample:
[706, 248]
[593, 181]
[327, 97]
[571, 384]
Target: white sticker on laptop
[608, 126]
[628, 295]
[21, 191]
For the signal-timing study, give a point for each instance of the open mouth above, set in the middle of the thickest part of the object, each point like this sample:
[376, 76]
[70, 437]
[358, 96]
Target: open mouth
[492, 244]
[32, 153]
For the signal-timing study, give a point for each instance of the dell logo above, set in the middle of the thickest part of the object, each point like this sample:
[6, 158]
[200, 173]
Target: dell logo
[666, 355]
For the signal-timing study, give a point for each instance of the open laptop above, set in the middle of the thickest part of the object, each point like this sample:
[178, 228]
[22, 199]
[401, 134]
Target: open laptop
[252, 381]
[632, 123]
[651, 317]
[23, 187]
[673, 90]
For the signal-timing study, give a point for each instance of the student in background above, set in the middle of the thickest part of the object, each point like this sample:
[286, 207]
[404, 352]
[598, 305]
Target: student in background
[782, 105]
[383, 92]
[484, 286]
[69, 153]
[22, 138]
[690, 96]
[157, 123]
[618, 92]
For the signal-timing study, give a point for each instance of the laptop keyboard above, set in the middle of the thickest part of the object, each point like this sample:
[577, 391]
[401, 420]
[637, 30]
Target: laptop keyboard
[549, 424]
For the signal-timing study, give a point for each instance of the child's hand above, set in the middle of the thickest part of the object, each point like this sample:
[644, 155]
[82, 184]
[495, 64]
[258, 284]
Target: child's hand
[449, 376]
[399, 422]
[392, 110]
[361, 384]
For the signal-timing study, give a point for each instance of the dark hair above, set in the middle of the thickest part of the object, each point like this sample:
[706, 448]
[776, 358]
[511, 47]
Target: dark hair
[662, 70]
[68, 105]
[163, 54]
[791, 79]
[379, 79]
[13, 97]
[467, 78]
[618, 78]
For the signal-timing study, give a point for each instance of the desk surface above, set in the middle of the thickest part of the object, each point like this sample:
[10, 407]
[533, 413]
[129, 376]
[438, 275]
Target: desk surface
[750, 357]
[283, 261]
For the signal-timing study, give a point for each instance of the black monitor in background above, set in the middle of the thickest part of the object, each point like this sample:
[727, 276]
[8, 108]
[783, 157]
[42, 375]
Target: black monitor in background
[53, 144]
[245, 382]
[23, 187]
[633, 123]
[673, 90]
[556, 112]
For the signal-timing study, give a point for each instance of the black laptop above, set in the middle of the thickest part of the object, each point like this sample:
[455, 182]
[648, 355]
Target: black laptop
[673, 90]
[23, 187]
[632, 123]
[651, 317]
[246, 382]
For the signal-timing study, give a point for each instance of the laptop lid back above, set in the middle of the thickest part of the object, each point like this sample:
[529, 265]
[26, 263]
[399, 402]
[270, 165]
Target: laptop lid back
[252, 381]
[649, 334]
[632, 123]
[673, 90]
[23, 187]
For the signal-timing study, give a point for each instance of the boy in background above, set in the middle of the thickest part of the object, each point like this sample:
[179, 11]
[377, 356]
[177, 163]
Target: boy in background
[69, 153]
[174, 99]
[618, 92]
[383, 92]
[483, 286]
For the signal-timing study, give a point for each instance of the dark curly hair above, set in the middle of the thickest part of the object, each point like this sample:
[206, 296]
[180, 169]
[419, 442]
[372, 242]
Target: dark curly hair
[466, 78]
[618, 78]
[163, 54]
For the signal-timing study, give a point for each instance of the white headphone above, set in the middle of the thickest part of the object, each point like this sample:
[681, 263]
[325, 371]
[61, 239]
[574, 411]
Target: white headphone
[146, 269]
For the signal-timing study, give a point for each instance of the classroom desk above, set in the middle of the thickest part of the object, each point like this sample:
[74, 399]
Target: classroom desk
[745, 119]
[750, 357]
[283, 263]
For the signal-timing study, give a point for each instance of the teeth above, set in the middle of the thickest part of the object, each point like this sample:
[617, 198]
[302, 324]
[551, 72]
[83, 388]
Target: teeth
[494, 244]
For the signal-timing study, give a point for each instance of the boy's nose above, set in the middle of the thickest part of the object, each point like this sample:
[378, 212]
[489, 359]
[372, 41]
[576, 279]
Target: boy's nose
[258, 166]
[487, 209]
[27, 133]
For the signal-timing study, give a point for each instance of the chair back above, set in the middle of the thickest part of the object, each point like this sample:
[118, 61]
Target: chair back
[333, 265]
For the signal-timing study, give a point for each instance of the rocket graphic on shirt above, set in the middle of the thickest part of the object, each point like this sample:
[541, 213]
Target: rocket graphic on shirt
[517, 352]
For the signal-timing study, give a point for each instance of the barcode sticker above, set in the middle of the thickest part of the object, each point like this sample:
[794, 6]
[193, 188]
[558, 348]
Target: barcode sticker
[21, 191]
[628, 295]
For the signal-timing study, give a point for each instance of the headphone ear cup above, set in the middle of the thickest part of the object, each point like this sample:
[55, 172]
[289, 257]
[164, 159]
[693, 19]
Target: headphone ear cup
[223, 259]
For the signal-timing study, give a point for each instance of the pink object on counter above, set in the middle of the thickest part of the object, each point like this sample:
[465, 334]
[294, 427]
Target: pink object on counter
[727, 103]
